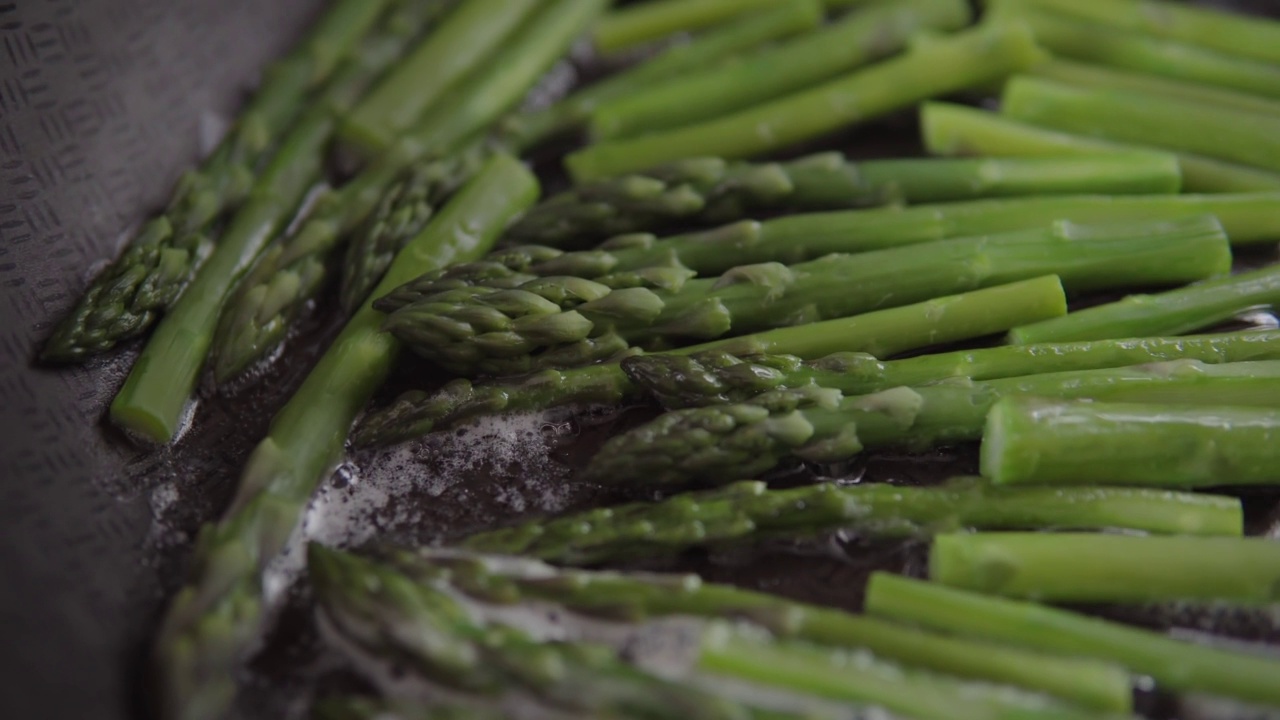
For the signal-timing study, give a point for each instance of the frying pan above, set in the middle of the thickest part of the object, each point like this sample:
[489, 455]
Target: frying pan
[103, 103]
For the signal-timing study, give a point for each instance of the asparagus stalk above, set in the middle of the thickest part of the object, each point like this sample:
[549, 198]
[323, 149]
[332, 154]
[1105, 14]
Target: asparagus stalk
[746, 511]
[382, 610]
[383, 613]
[714, 48]
[716, 377]
[401, 214]
[851, 677]
[884, 332]
[1174, 312]
[971, 58]
[1174, 664]
[290, 273]
[1243, 137]
[711, 190]
[1101, 77]
[645, 22]
[1247, 218]
[470, 34]
[1248, 36]
[1080, 567]
[875, 31]
[1130, 50]
[126, 298]
[565, 321]
[958, 130]
[1152, 444]
[636, 598]
[817, 424]
[214, 618]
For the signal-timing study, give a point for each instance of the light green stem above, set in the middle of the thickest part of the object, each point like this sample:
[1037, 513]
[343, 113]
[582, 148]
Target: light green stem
[960, 130]
[1174, 664]
[1127, 115]
[1170, 313]
[1151, 445]
[971, 58]
[1107, 568]
[642, 23]
[878, 30]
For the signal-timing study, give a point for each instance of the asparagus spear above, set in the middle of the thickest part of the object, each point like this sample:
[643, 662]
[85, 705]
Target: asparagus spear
[126, 298]
[1099, 76]
[715, 377]
[470, 34]
[1080, 567]
[711, 190]
[565, 321]
[884, 332]
[967, 59]
[716, 47]
[1247, 218]
[291, 272]
[733, 441]
[1243, 137]
[637, 598]
[382, 611]
[1174, 664]
[401, 214]
[875, 31]
[645, 22]
[1174, 312]
[214, 618]
[1132, 444]
[958, 130]
[746, 511]
[1104, 45]
[1248, 36]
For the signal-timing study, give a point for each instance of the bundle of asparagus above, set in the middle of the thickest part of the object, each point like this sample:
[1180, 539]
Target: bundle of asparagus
[456, 619]
[799, 279]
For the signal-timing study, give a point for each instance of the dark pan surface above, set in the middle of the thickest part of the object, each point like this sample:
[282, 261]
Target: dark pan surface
[102, 104]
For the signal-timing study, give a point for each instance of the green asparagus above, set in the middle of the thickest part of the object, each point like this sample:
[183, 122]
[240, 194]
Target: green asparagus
[711, 190]
[1248, 36]
[215, 617]
[401, 214]
[883, 333]
[967, 59]
[645, 22]
[1174, 664]
[1153, 444]
[716, 47]
[1247, 218]
[558, 322]
[1098, 567]
[746, 511]
[1129, 115]
[876, 30]
[1173, 313]
[1098, 76]
[958, 130]
[382, 611]
[635, 598]
[126, 298]
[467, 37]
[717, 377]
[1130, 50]
[722, 442]
[290, 272]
